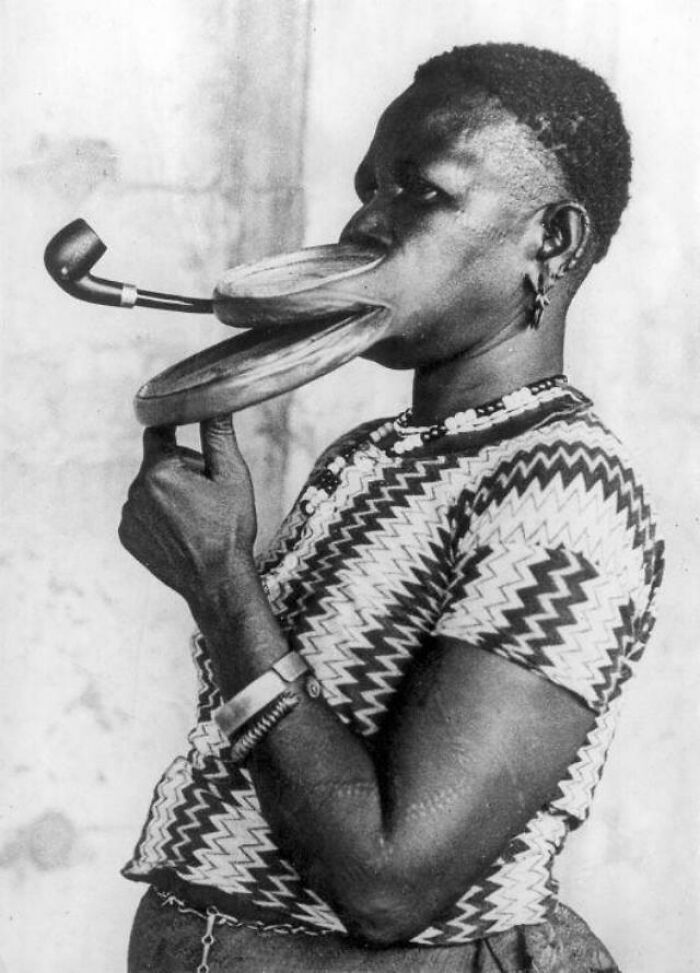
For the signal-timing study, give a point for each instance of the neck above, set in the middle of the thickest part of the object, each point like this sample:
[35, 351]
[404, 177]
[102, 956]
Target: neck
[472, 378]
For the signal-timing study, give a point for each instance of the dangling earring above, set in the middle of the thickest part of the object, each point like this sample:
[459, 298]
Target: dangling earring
[540, 303]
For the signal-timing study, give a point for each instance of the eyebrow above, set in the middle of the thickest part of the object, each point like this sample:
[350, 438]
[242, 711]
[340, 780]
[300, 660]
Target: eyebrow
[423, 169]
[409, 167]
[402, 168]
[399, 169]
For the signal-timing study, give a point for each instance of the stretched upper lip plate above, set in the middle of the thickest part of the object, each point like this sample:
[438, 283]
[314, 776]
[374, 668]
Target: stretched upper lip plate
[304, 285]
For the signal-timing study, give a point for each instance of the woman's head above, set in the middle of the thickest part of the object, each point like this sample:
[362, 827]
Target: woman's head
[570, 109]
[501, 169]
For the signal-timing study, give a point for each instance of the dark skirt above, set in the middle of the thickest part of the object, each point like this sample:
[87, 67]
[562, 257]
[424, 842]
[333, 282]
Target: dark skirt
[165, 939]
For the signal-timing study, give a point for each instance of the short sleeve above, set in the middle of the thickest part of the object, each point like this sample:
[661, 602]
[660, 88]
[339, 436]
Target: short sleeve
[554, 568]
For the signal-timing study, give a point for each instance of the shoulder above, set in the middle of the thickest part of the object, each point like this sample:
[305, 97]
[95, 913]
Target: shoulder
[565, 483]
[349, 441]
[559, 558]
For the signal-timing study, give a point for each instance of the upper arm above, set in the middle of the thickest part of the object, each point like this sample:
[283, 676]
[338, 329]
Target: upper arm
[475, 747]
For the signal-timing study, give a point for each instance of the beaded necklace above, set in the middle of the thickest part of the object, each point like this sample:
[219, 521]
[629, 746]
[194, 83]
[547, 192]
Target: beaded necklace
[481, 416]
[329, 478]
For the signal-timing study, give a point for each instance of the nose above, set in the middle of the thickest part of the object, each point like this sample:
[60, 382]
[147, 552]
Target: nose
[370, 226]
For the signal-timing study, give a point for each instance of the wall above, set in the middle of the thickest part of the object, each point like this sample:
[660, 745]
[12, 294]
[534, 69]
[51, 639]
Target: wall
[131, 117]
[116, 114]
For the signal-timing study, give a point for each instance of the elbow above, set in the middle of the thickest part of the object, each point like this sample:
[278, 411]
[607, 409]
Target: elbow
[384, 904]
[383, 917]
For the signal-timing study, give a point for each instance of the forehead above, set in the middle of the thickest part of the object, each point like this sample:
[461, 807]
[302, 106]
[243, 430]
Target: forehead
[427, 119]
[471, 129]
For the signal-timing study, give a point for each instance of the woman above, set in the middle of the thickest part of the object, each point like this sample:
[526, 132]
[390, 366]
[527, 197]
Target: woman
[452, 606]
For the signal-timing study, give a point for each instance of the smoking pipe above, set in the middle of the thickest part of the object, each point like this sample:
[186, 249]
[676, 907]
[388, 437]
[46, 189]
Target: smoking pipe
[72, 253]
[307, 313]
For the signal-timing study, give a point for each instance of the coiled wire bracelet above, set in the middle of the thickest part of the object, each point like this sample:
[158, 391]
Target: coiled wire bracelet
[246, 741]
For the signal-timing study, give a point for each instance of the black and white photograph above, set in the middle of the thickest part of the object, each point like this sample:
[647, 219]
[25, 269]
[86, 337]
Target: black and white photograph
[350, 463]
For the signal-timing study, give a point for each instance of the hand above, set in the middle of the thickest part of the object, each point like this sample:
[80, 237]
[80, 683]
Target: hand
[190, 518]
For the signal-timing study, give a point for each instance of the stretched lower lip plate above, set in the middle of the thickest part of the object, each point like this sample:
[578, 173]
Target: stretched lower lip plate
[256, 366]
[309, 313]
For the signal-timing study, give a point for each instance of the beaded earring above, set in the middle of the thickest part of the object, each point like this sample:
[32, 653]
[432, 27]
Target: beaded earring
[540, 303]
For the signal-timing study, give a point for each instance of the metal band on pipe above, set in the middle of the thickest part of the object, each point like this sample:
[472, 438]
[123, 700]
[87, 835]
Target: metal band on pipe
[129, 295]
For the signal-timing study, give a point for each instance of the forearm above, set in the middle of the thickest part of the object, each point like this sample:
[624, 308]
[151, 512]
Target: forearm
[235, 618]
[317, 782]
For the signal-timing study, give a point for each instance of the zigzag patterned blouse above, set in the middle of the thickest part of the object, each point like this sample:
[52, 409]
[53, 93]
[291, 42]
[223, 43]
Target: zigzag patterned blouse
[536, 543]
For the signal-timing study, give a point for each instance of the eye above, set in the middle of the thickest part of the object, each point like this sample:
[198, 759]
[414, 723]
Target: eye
[420, 189]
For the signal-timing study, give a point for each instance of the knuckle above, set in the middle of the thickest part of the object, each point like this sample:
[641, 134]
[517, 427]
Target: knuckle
[158, 475]
[134, 490]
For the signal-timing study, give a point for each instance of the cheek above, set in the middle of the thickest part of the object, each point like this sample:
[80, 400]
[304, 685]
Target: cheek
[450, 263]
[483, 257]
[447, 243]
[437, 269]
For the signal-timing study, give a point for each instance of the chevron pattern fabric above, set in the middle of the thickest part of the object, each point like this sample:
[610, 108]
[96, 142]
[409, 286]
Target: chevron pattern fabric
[537, 545]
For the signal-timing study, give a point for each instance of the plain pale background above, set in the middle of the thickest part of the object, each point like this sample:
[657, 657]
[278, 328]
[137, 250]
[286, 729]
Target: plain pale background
[111, 112]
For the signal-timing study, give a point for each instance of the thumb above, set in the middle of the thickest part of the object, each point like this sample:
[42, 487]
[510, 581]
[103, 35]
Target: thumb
[219, 447]
[158, 442]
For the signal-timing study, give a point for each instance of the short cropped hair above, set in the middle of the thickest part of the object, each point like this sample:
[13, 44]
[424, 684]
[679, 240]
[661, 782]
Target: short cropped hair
[570, 109]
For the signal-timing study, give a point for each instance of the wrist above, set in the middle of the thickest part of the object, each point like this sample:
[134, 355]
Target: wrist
[233, 614]
[226, 592]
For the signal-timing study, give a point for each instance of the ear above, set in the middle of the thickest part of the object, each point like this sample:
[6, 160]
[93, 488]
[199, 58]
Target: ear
[564, 234]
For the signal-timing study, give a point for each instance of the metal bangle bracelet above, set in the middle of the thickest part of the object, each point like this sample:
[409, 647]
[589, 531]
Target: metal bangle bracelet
[260, 693]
